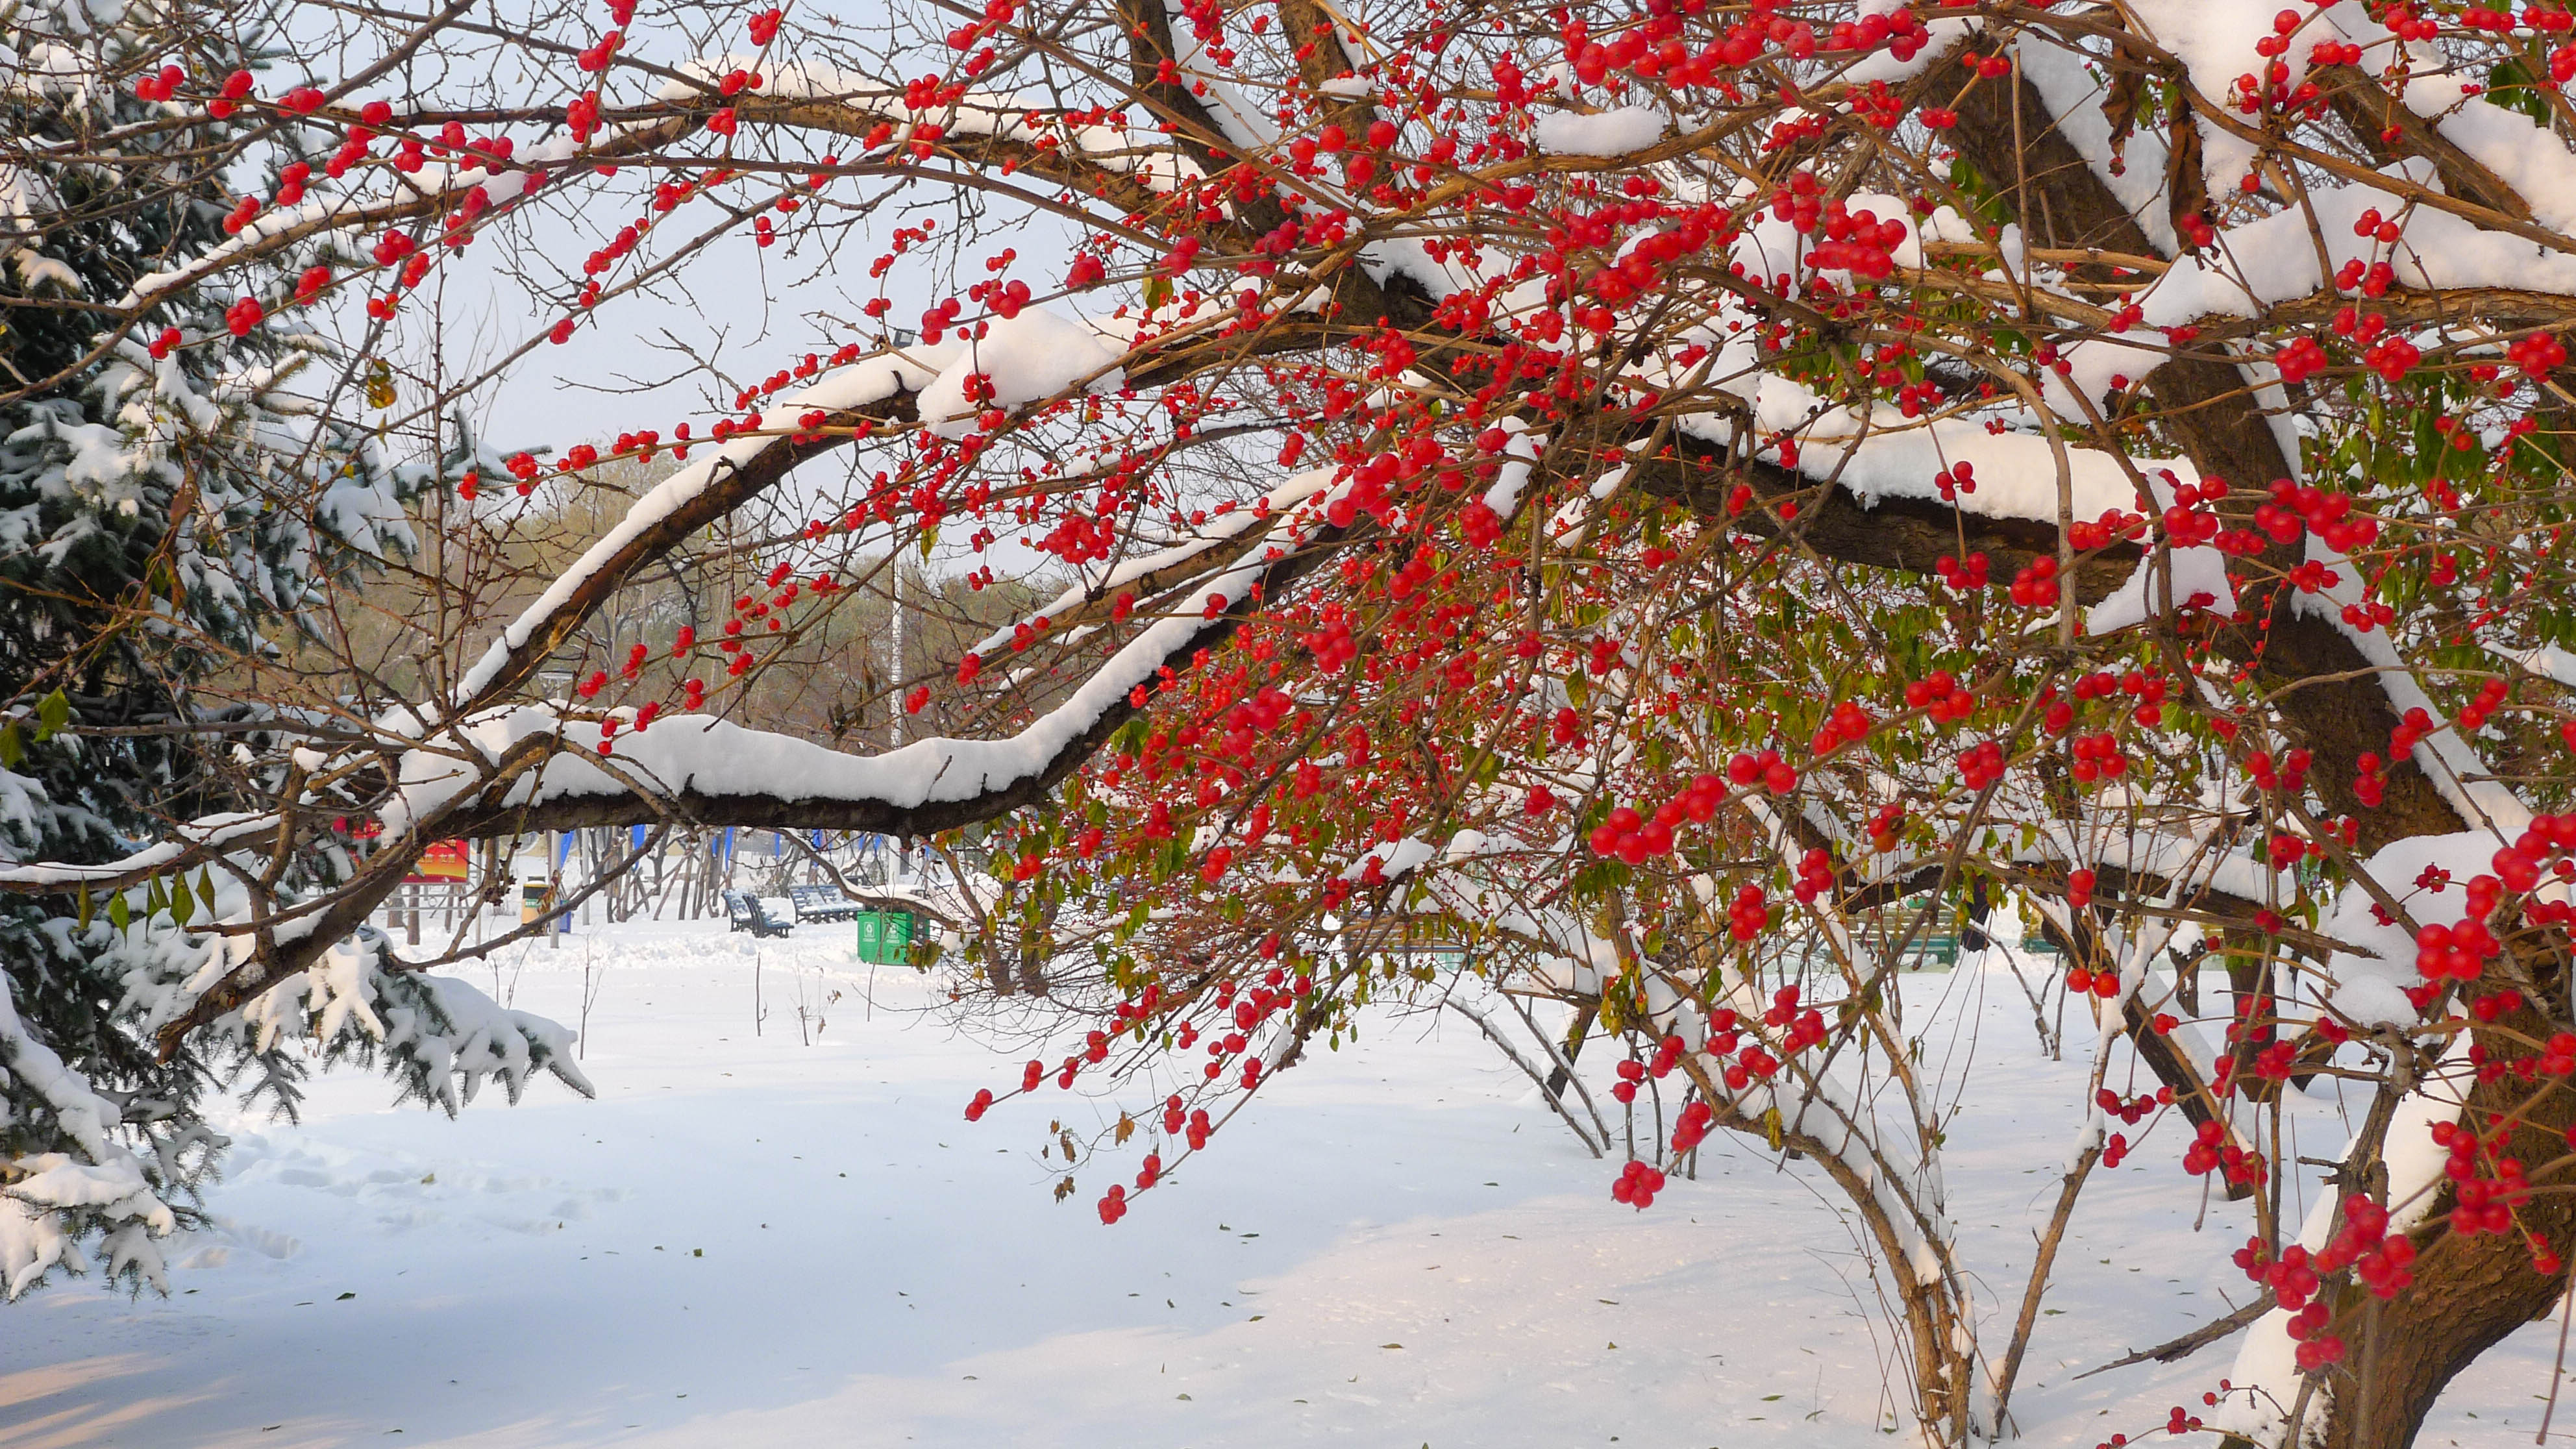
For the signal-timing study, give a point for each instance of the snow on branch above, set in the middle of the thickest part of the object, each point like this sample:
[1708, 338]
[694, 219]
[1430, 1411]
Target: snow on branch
[439, 1036]
[49, 1200]
[1166, 568]
[190, 842]
[680, 504]
[692, 762]
[1880, 454]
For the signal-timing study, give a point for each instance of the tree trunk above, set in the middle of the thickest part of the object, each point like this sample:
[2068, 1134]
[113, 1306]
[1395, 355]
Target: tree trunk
[1574, 1035]
[2469, 1294]
[2471, 1290]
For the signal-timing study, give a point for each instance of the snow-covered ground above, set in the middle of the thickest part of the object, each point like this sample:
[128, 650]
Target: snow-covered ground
[753, 1240]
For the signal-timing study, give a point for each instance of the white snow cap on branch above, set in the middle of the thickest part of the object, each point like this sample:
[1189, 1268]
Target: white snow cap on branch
[2525, 155]
[2450, 762]
[1603, 133]
[2199, 577]
[1884, 455]
[1216, 531]
[1023, 359]
[2376, 960]
[867, 381]
[205, 832]
[2215, 40]
[2266, 1373]
[2275, 259]
[2072, 91]
[717, 757]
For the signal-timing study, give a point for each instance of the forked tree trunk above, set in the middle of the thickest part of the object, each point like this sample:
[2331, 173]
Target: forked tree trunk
[2470, 1291]
[2469, 1294]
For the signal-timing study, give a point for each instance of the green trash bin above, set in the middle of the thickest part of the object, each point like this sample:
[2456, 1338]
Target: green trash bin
[885, 937]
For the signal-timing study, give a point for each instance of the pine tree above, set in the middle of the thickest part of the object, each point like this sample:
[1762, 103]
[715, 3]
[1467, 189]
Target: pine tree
[165, 511]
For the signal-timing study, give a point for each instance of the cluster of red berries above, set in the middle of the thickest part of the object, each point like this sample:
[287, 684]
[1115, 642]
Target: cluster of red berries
[1747, 914]
[1857, 242]
[2097, 757]
[2301, 360]
[1632, 1072]
[2035, 585]
[1963, 578]
[2455, 952]
[1193, 1128]
[1693, 1127]
[1636, 1186]
[2132, 1109]
[2538, 355]
[2102, 984]
[2327, 514]
[1815, 875]
[1801, 1027]
[1848, 723]
[2480, 1204]
[2187, 525]
[2080, 980]
[1941, 693]
[1773, 773]
[1634, 838]
[2288, 775]
[1751, 1063]
[2209, 1152]
[2474, 714]
[1981, 764]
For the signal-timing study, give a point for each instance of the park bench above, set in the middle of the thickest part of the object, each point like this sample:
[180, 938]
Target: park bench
[746, 912]
[822, 902]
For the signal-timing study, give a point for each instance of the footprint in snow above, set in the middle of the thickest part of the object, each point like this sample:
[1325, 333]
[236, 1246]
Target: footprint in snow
[212, 1255]
[258, 1240]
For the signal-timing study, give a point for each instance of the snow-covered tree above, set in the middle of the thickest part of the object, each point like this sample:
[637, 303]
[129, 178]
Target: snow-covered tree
[174, 498]
[1684, 498]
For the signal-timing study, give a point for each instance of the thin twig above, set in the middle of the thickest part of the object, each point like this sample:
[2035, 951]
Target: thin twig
[2196, 1340]
[1497, 1038]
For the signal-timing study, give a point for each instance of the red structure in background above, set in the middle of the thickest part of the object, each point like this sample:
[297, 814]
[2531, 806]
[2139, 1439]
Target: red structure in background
[445, 862]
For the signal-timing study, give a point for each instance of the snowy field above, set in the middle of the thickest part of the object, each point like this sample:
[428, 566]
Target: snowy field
[750, 1240]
